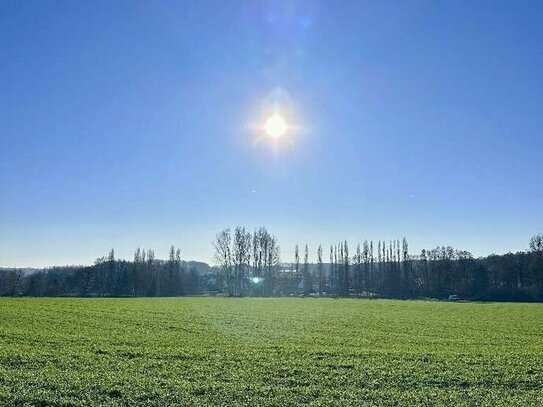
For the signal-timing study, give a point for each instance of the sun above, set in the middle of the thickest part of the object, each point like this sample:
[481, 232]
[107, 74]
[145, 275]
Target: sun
[275, 126]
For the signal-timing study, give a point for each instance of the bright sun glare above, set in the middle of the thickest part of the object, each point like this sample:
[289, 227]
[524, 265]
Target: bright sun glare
[275, 126]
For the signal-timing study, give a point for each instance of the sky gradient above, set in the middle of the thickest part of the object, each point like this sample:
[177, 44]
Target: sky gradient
[129, 123]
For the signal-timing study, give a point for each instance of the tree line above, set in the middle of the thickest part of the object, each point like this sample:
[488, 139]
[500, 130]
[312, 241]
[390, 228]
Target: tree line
[108, 277]
[249, 264]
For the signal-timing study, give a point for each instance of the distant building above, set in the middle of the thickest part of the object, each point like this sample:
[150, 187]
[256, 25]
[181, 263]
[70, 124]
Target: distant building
[453, 297]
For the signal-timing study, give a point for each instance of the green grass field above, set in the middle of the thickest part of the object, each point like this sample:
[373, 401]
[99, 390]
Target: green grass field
[280, 352]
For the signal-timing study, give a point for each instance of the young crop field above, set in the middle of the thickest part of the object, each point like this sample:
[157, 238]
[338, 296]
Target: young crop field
[269, 352]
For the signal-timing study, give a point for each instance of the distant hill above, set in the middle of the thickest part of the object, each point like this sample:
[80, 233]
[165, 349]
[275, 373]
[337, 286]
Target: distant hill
[200, 266]
[25, 270]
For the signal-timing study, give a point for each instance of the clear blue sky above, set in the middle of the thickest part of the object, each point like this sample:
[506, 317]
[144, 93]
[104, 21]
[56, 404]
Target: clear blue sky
[126, 124]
